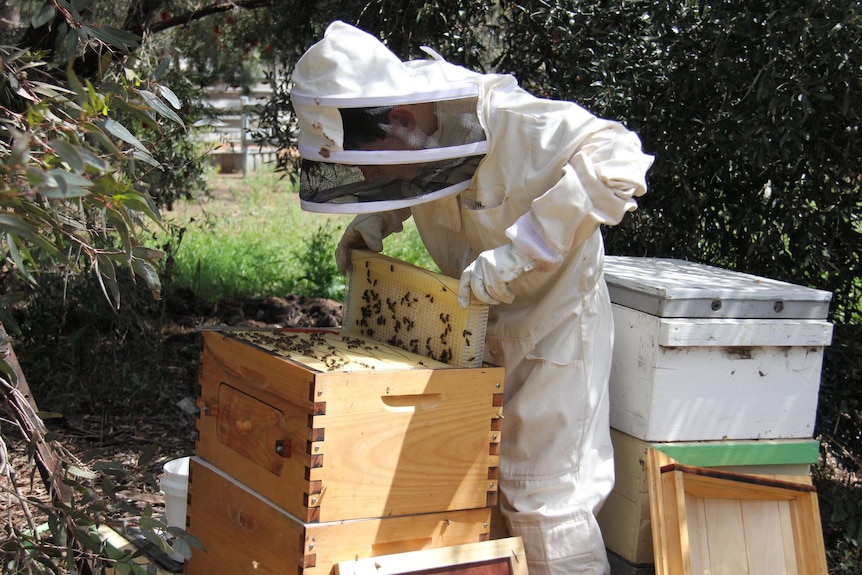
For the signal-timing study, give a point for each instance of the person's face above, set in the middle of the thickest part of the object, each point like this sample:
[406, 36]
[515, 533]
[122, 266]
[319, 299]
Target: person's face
[405, 134]
[385, 172]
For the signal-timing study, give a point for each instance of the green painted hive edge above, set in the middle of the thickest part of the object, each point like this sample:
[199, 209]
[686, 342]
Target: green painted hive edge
[738, 453]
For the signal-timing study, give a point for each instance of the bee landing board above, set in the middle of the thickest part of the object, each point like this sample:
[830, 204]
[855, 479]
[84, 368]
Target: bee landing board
[332, 427]
[414, 309]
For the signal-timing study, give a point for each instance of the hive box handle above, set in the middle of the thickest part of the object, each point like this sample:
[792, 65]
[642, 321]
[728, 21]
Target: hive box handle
[412, 402]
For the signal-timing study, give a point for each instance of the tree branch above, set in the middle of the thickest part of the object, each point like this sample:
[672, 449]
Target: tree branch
[216, 8]
[50, 459]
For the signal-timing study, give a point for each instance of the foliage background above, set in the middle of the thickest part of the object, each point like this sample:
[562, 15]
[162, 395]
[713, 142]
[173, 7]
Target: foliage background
[751, 109]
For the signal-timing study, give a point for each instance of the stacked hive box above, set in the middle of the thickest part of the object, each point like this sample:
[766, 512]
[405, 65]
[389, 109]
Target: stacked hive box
[317, 447]
[320, 446]
[714, 368]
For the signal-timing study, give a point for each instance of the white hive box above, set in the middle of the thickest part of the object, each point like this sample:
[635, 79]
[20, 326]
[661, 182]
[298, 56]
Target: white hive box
[702, 353]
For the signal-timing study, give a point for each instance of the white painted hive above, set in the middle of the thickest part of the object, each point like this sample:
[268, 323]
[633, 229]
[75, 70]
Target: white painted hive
[703, 353]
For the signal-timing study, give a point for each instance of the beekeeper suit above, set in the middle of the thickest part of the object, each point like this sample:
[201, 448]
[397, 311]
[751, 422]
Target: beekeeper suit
[507, 192]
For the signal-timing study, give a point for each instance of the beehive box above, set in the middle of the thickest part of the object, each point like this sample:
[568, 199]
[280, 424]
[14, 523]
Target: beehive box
[702, 353]
[625, 516]
[244, 532]
[332, 427]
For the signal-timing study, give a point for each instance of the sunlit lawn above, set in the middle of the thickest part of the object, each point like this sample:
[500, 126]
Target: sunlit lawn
[250, 238]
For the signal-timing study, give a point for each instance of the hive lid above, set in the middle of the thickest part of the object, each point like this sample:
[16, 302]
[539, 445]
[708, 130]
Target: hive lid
[412, 308]
[677, 288]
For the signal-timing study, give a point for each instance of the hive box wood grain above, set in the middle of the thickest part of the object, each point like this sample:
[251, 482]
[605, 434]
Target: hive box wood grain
[244, 532]
[625, 516]
[702, 353]
[707, 521]
[332, 428]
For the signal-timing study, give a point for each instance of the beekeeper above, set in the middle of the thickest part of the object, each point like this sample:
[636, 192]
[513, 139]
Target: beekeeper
[508, 192]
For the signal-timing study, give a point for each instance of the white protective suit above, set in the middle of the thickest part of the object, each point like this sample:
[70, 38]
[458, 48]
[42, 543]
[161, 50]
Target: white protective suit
[551, 175]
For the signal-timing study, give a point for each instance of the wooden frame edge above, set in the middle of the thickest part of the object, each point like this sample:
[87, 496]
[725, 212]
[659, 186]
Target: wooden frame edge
[456, 556]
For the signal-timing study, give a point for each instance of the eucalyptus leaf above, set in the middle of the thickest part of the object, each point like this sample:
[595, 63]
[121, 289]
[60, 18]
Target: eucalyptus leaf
[63, 185]
[91, 159]
[147, 455]
[150, 276]
[169, 95]
[180, 546]
[45, 15]
[76, 471]
[121, 222]
[120, 131]
[101, 138]
[107, 486]
[69, 43]
[21, 91]
[112, 466]
[147, 253]
[147, 521]
[88, 538]
[49, 90]
[161, 68]
[112, 36]
[190, 539]
[68, 154]
[15, 252]
[154, 538]
[146, 157]
[75, 84]
[135, 201]
[107, 276]
[15, 224]
[159, 106]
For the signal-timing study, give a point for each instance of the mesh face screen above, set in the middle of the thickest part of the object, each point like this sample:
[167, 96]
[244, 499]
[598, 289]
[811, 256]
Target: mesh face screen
[390, 157]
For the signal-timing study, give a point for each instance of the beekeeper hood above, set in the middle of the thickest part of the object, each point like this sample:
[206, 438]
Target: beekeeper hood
[376, 133]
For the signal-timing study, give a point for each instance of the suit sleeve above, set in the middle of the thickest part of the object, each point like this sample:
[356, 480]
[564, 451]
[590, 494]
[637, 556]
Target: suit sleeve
[598, 185]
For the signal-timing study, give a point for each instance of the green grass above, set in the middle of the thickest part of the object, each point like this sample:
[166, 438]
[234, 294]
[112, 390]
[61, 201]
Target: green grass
[251, 239]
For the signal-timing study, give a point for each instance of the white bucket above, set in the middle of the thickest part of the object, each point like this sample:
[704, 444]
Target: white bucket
[175, 485]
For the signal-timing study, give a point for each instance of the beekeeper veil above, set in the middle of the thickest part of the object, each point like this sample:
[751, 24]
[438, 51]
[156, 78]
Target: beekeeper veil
[378, 134]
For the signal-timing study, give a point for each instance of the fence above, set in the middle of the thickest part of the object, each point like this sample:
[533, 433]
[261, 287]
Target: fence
[231, 128]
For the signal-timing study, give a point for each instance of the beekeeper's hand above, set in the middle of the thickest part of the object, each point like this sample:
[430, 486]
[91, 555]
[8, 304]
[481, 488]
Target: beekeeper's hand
[488, 277]
[365, 231]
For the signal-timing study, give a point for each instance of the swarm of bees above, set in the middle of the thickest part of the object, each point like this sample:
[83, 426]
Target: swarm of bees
[330, 351]
[405, 318]
[312, 345]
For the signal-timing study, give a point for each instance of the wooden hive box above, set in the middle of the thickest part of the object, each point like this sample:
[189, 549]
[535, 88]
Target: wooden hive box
[706, 521]
[625, 516]
[244, 532]
[331, 427]
[702, 353]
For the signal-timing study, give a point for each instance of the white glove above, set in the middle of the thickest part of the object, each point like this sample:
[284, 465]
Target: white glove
[488, 276]
[365, 231]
